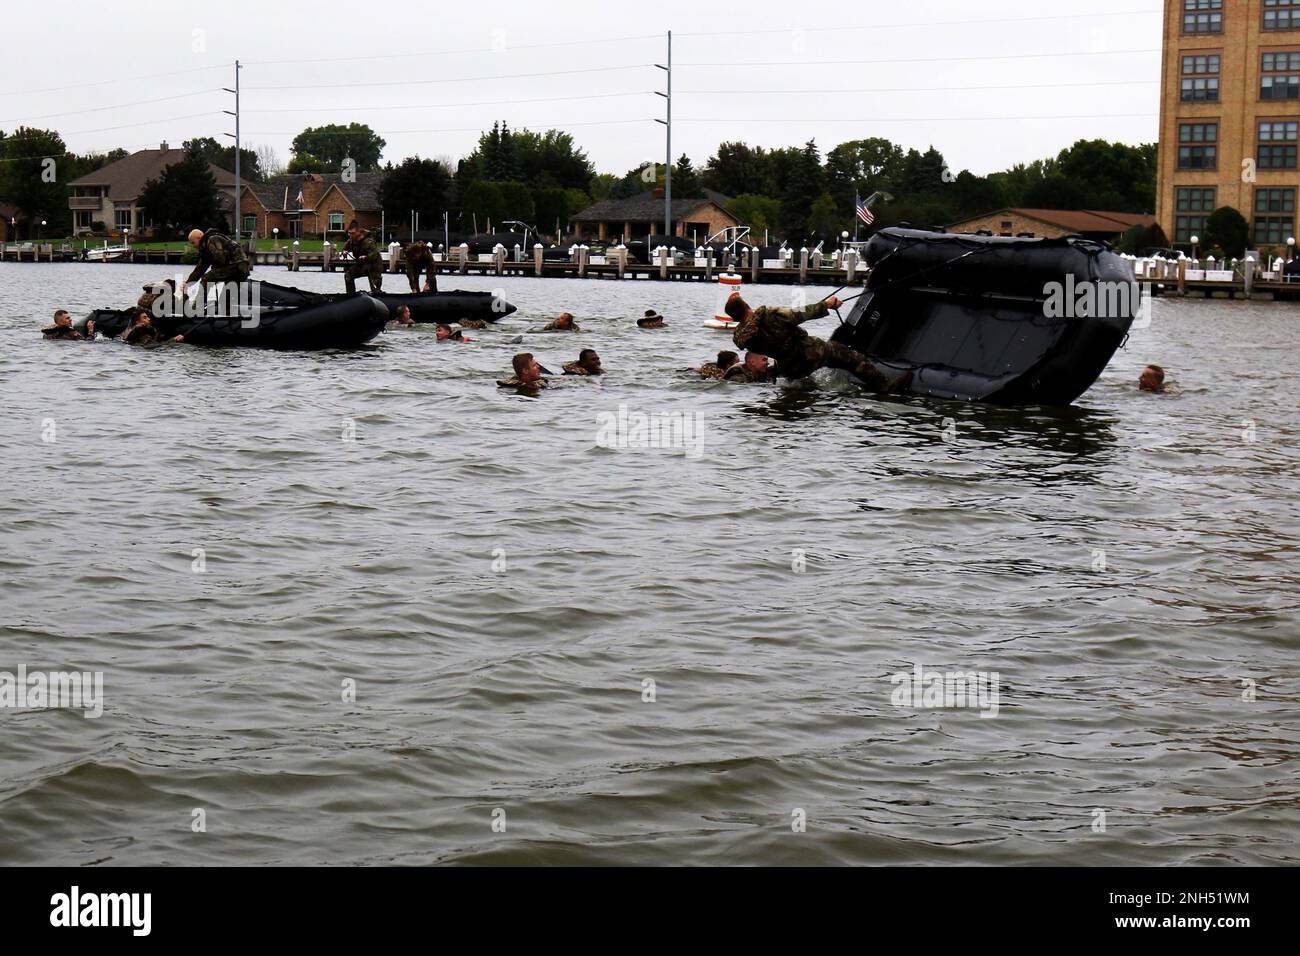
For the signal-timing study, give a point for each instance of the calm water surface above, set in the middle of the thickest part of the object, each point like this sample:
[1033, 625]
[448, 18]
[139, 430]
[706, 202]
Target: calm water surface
[1127, 566]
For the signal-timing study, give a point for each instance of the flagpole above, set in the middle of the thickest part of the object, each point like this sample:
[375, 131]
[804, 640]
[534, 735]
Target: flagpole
[856, 217]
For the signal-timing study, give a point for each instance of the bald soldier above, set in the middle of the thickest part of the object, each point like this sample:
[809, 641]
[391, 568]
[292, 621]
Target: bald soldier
[366, 260]
[221, 259]
[419, 257]
[778, 333]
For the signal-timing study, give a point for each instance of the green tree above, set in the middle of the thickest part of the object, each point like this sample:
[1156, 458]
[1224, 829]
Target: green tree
[332, 144]
[422, 185]
[823, 221]
[803, 187]
[184, 196]
[862, 166]
[35, 173]
[1227, 230]
[686, 181]
[737, 169]
[223, 157]
[760, 213]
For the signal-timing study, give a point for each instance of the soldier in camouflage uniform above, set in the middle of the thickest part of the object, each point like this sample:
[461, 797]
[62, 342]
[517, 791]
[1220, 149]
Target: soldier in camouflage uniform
[366, 260]
[144, 332]
[528, 374]
[153, 292]
[718, 369]
[588, 363]
[62, 328]
[564, 323]
[473, 323]
[776, 332]
[221, 259]
[420, 257]
[755, 368]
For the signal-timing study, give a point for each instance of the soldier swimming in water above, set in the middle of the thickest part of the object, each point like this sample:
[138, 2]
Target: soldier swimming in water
[144, 332]
[528, 374]
[778, 333]
[588, 363]
[755, 368]
[718, 369]
[564, 323]
[62, 328]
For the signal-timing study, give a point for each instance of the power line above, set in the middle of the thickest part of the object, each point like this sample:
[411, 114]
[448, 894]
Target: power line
[116, 81]
[509, 48]
[930, 59]
[929, 23]
[440, 106]
[152, 122]
[917, 89]
[116, 106]
[905, 119]
[454, 79]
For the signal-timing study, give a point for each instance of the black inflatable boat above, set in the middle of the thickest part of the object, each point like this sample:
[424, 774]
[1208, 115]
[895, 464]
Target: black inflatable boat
[344, 323]
[1013, 321]
[445, 307]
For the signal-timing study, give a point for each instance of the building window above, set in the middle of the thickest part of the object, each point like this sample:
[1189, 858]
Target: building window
[122, 218]
[1280, 76]
[1193, 206]
[1282, 14]
[250, 224]
[1274, 216]
[1277, 144]
[1200, 80]
[1203, 16]
[336, 222]
[83, 219]
[1196, 149]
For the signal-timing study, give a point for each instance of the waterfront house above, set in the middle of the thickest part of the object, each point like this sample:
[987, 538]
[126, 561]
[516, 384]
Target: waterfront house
[621, 220]
[311, 204]
[110, 195]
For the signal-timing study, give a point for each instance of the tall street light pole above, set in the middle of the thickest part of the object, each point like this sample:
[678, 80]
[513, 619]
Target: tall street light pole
[235, 114]
[668, 156]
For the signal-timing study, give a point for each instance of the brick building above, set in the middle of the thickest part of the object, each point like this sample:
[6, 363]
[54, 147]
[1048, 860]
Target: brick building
[1230, 117]
[311, 204]
[1054, 223]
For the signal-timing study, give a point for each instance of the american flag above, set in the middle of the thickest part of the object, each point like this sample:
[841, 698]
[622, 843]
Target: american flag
[865, 214]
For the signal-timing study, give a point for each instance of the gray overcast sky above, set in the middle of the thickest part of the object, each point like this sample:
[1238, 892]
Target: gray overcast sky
[989, 84]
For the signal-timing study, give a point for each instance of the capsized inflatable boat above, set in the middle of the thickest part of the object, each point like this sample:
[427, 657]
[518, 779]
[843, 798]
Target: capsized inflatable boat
[1013, 321]
[344, 323]
[446, 307]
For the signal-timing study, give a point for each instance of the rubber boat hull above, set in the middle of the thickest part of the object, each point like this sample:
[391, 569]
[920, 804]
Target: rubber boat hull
[445, 307]
[991, 318]
[346, 323]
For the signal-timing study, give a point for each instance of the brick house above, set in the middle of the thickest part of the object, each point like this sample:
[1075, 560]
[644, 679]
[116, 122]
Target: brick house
[640, 216]
[311, 204]
[1054, 223]
[111, 195]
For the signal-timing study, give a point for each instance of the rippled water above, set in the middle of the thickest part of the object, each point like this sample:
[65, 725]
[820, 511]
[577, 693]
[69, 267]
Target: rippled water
[523, 689]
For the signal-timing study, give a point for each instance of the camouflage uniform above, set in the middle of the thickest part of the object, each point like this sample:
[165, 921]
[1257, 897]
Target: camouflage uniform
[152, 293]
[473, 323]
[142, 335]
[366, 261]
[419, 256]
[61, 332]
[221, 259]
[574, 368]
[514, 382]
[738, 373]
[552, 327]
[776, 333]
[712, 370]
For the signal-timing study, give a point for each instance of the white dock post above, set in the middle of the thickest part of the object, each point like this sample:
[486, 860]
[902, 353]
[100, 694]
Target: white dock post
[620, 256]
[1248, 275]
[537, 259]
[803, 266]
[464, 257]
[394, 255]
[325, 265]
[663, 262]
[295, 257]
[499, 255]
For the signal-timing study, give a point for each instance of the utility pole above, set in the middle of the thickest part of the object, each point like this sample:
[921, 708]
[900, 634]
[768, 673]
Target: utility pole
[668, 124]
[235, 114]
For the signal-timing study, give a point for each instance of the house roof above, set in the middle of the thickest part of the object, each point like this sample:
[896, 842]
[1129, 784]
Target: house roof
[125, 178]
[1074, 220]
[276, 193]
[646, 207]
